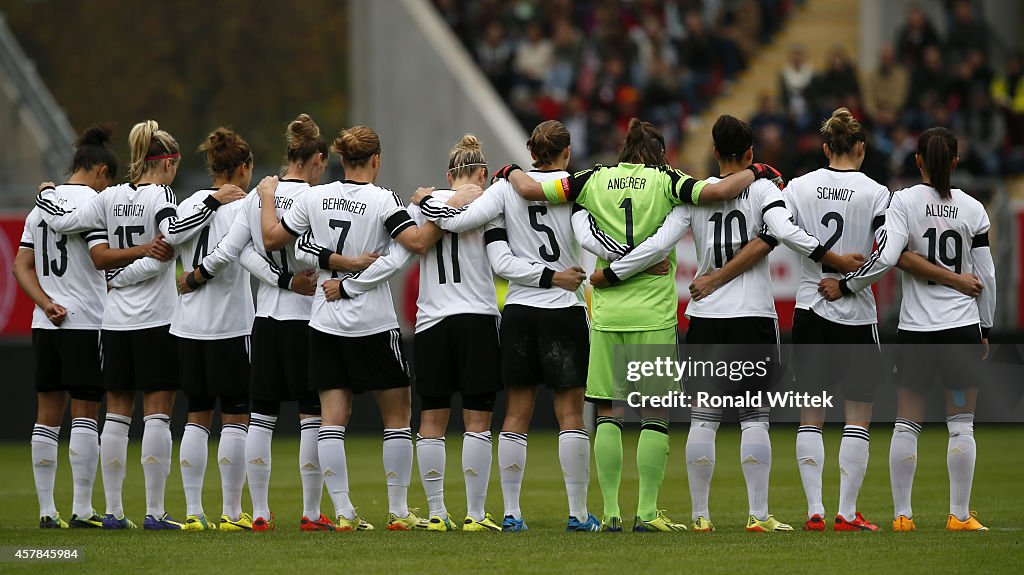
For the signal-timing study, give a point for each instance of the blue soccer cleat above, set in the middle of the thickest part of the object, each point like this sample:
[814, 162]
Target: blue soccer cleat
[112, 522]
[511, 524]
[591, 524]
[162, 523]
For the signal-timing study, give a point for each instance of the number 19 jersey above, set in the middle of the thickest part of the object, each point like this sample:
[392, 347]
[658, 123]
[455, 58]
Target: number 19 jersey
[351, 218]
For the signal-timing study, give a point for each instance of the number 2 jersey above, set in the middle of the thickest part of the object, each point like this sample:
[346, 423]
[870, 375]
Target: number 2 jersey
[64, 266]
[952, 233]
[845, 209]
[351, 219]
[145, 291]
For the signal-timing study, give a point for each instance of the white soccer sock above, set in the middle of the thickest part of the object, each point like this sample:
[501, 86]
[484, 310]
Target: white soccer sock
[398, 469]
[960, 457]
[853, 465]
[258, 460]
[574, 455]
[756, 460]
[430, 455]
[156, 460]
[512, 464]
[476, 468]
[231, 460]
[192, 457]
[44, 466]
[113, 460]
[309, 467]
[902, 465]
[331, 444]
[810, 459]
[700, 466]
[84, 455]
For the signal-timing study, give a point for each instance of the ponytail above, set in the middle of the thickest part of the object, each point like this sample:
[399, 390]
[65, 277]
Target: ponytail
[937, 149]
[92, 148]
[644, 144]
[149, 146]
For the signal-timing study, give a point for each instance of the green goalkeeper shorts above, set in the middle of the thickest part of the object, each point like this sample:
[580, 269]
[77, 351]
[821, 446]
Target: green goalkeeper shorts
[618, 360]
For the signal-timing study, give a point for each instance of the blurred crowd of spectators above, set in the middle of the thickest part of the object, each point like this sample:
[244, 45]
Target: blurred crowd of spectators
[594, 64]
[922, 79]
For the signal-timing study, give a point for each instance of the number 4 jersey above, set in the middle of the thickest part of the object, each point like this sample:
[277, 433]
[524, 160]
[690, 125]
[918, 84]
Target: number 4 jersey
[64, 266]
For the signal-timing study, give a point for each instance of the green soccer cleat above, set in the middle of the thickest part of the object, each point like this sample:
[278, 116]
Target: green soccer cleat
[407, 523]
[244, 523]
[93, 521]
[485, 524]
[660, 524]
[54, 522]
[198, 523]
[769, 525]
[611, 525]
[438, 524]
[357, 523]
[701, 525]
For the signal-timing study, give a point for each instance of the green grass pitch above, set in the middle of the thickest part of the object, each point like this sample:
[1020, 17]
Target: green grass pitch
[546, 548]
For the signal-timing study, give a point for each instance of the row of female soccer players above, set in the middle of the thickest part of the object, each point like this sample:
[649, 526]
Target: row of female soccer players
[550, 146]
[155, 342]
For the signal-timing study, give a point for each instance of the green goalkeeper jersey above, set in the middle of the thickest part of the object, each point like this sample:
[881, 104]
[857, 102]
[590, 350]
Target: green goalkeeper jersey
[629, 202]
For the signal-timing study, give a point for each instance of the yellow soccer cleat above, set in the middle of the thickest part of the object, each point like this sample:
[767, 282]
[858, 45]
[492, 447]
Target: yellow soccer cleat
[438, 524]
[199, 523]
[904, 523]
[769, 525]
[972, 523]
[701, 525]
[244, 523]
[407, 523]
[485, 524]
[357, 523]
[660, 524]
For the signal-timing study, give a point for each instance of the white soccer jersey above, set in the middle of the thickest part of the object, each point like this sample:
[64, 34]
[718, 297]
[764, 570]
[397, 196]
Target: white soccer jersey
[222, 308]
[349, 218]
[720, 230]
[64, 266]
[844, 208]
[540, 236]
[951, 233]
[145, 291]
[273, 299]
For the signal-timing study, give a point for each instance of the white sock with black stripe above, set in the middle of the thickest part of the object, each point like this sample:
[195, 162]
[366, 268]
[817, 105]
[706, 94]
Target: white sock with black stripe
[512, 464]
[113, 460]
[84, 455]
[476, 468]
[574, 455]
[192, 457]
[810, 459]
[431, 457]
[853, 465]
[700, 460]
[156, 460]
[331, 445]
[903, 465]
[44, 466]
[309, 467]
[258, 462]
[231, 461]
[961, 453]
[398, 469]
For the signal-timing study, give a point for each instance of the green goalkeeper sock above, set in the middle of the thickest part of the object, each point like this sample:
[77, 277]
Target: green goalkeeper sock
[608, 458]
[651, 459]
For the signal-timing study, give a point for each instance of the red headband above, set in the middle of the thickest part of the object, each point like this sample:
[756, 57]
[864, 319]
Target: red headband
[163, 157]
